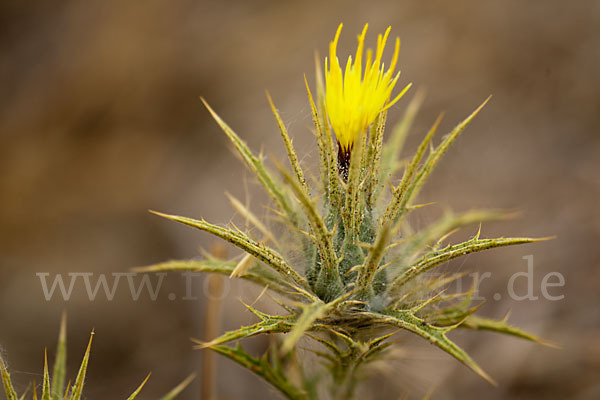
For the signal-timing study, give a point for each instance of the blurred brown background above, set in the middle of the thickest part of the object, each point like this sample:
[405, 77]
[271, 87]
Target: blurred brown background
[100, 121]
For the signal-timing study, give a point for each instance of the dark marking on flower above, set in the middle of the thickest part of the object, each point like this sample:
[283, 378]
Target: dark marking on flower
[344, 161]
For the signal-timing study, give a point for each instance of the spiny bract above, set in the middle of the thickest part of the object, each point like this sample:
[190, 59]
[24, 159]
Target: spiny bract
[366, 276]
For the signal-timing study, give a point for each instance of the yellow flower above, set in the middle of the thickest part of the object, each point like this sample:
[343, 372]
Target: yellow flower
[354, 98]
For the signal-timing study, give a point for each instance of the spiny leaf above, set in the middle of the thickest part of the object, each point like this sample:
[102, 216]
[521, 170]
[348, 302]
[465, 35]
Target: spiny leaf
[433, 259]
[268, 325]
[372, 155]
[501, 326]
[79, 381]
[441, 297]
[378, 341]
[46, 384]
[293, 158]
[321, 142]
[436, 155]
[256, 273]
[241, 240]
[376, 352]
[264, 369]
[138, 390]
[374, 348]
[328, 166]
[373, 158]
[453, 314]
[329, 344]
[346, 366]
[7, 383]
[255, 164]
[436, 335]
[179, 388]
[394, 145]
[424, 286]
[323, 237]
[60, 363]
[376, 253]
[398, 205]
[450, 222]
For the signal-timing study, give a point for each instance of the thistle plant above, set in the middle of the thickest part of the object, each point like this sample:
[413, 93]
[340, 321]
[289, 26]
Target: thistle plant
[339, 255]
[53, 385]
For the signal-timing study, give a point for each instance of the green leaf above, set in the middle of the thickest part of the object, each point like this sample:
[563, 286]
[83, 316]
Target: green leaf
[328, 165]
[60, 363]
[329, 344]
[80, 380]
[373, 158]
[394, 145]
[456, 313]
[7, 383]
[293, 158]
[398, 205]
[436, 155]
[435, 258]
[413, 245]
[241, 240]
[376, 253]
[269, 324]
[436, 335]
[376, 347]
[255, 164]
[261, 367]
[256, 273]
[137, 391]
[324, 238]
[46, 384]
[179, 388]
[501, 326]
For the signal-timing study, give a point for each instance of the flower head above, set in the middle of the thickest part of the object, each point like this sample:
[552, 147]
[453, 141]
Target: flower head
[355, 97]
